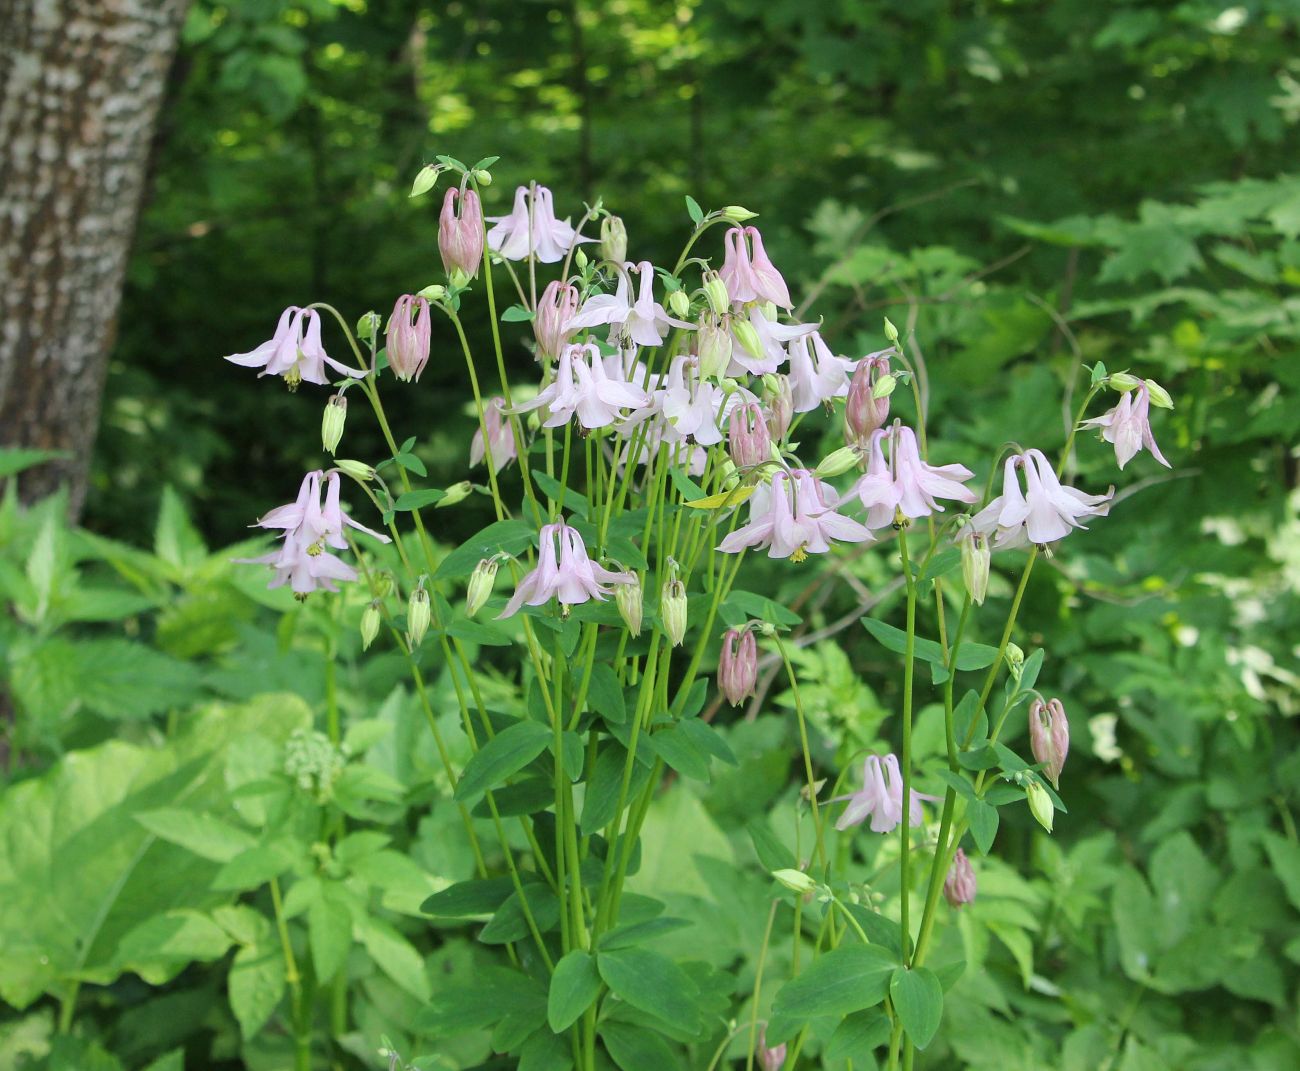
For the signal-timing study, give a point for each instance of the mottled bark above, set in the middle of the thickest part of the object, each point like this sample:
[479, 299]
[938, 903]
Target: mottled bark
[80, 86]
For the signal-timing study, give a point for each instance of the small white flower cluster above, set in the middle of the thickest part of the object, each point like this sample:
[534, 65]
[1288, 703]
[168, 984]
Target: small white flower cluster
[314, 763]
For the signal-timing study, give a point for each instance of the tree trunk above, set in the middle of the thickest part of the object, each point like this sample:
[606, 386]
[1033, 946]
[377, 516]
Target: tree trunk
[80, 86]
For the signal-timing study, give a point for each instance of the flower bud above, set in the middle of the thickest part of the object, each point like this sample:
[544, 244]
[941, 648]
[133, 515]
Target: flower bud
[1015, 659]
[864, 409]
[714, 345]
[426, 179]
[795, 880]
[555, 308]
[672, 611]
[358, 470]
[580, 258]
[770, 1058]
[959, 885]
[480, 585]
[884, 387]
[418, 615]
[738, 665]
[369, 624]
[891, 332]
[1049, 737]
[737, 214]
[460, 235]
[407, 341]
[368, 326]
[629, 599]
[745, 333]
[1159, 396]
[613, 239]
[679, 304]
[748, 438]
[434, 291]
[483, 177]
[780, 407]
[838, 462]
[332, 421]
[457, 492]
[975, 559]
[1122, 381]
[715, 293]
[1040, 804]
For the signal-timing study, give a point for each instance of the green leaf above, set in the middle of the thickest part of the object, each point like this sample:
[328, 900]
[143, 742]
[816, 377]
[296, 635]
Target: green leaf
[1285, 857]
[545, 1051]
[161, 947]
[480, 896]
[680, 752]
[634, 933]
[844, 980]
[256, 867]
[969, 655]
[566, 497]
[14, 461]
[651, 982]
[256, 983]
[516, 314]
[176, 541]
[917, 998]
[574, 985]
[637, 1048]
[203, 834]
[329, 930]
[394, 955]
[983, 818]
[601, 802]
[411, 463]
[605, 694]
[509, 537]
[413, 500]
[501, 757]
[772, 854]
[760, 608]
[694, 210]
[857, 1036]
[511, 924]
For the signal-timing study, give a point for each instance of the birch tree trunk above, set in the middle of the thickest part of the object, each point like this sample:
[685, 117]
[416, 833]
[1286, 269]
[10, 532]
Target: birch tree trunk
[80, 86]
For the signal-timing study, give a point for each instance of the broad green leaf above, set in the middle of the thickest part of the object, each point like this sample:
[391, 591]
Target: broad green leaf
[203, 834]
[983, 819]
[545, 1051]
[13, 460]
[969, 655]
[501, 757]
[480, 896]
[510, 923]
[329, 929]
[256, 983]
[161, 947]
[917, 998]
[680, 752]
[601, 802]
[605, 694]
[510, 537]
[394, 955]
[638, 1048]
[574, 985]
[694, 210]
[857, 1036]
[413, 500]
[176, 541]
[651, 982]
[844, 980]
[635, 933]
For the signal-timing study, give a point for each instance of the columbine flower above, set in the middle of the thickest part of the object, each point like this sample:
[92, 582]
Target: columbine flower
[500, 437]
[408, 339]
[302, 561]
[583, 387]
[905, 484]
[460, 236]
[1042, 513]
[770, 1058]
[758, 342]
[748, 439]
[959, 885]
[779, 399]
[738, 665]
[1049, 737]
[295, 351]
[816, 376]
[1128, 426]
[751, 278]
[644, 321]
[794, 517]
[575, 579]
[531, 228]
[553, 323]
[881, 798]
[688, 405]
[863, 412]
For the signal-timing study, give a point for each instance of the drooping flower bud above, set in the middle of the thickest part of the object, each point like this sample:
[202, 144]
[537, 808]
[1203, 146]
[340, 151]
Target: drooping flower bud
[418, 615]
[864, 412]
[770, 1058]
[746, 334]
[795, 880]
[838, 462]
[1040, 804]
[368, 327]
[672, 610]
[1015, 657]
[748, 439]
[975, 559]
[780, 406]
[715, 292]
[555, 308]
[959, 885]
[480, 585]
[1122, 381]
[358, 470]
[332, 421]
[460, 235]
[407, 341]
[738, 214]
[369, 624]
[613, 239]
[738, 665]
[891, 332]
[714, 345]
[1049, 737]
[1159, 396]
[457, 492]
[679, 304]
[425, 179]
[629, 599]
[483, 176]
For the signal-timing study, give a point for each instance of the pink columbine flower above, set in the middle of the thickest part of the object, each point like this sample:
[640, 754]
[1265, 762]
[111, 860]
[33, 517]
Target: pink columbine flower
[793, 517]
[584, 388]
[738, 665]
[760, 350]
[553, 324]
[748, 439]
[574, 579]
[460, 235]
[905, 484]
[864, 413]
[295, 351]
[816, 374]
[302, 561]
[770, 1058]
[1041, 513]
[780, 407]
[500, 437]
[532, 229]
[407, 339]
[959, 886]
[1049, 737]
[751, 277]
[644, 321]
[1128, 426]
[689, 405]
[881, 798]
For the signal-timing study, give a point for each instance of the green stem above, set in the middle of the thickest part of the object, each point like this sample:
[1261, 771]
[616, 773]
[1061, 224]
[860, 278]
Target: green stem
[905, 828]
[758, 985]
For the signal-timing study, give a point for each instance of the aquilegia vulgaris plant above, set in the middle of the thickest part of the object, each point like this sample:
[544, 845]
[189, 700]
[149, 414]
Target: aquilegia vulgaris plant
[671, 430]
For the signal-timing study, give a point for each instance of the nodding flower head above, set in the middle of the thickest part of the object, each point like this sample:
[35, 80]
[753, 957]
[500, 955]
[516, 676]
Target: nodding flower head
[864, 413]
[881, 798]
[751, 276]
[738, 665]
[500, 437]
[295, 351]
[1041, 512]
[460, 235]
[1049, 737]
[1128, 426]
[555, 309]
[531, 229]
[904, 485]
[748, 439]
[408, 337]
[959, 886]
[793, 517]
[564, 572]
